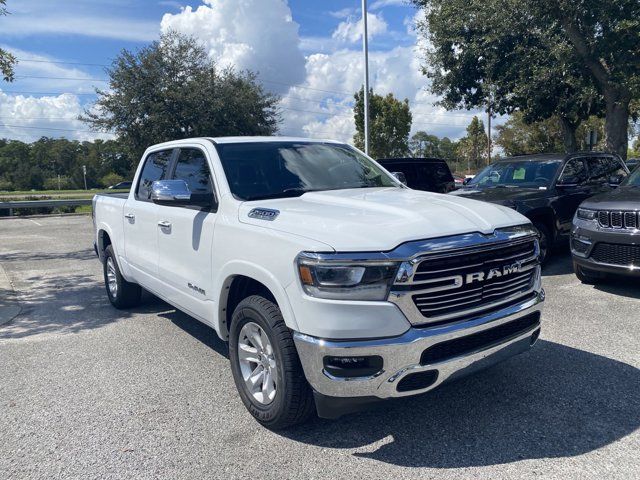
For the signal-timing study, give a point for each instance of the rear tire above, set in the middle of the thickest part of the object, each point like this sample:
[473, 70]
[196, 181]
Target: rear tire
[272, 360]
[122, 294]
[587, 276]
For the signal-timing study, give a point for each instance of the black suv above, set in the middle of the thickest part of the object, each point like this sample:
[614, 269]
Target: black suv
[606, 233]
[428, 174]
[547, 188]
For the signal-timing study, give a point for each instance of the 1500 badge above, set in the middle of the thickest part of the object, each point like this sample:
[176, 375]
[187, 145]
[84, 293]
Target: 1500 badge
[196, 288]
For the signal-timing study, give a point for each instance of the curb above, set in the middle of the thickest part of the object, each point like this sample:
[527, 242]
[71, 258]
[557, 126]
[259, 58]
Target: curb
[9, 307]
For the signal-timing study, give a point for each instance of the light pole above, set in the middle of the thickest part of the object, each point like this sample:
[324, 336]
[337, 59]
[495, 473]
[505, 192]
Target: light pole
[365, 47]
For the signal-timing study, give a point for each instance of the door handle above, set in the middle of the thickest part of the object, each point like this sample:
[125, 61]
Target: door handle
[130, 216]
[164, 224]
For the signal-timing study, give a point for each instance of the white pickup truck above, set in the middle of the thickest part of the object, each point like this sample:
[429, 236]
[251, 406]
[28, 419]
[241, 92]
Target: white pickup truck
[334, 284]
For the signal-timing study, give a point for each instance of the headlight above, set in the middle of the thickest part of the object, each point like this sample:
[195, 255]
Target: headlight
[586, 214]
[345, 280]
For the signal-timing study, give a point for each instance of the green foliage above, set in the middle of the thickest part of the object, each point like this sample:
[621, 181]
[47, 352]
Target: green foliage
[516, 137]
[423, 144]
[389, 125]
[7, 61]
[37, 165]
[570, 59]
[171, 89]
[472, 149]
[58, 183]
[111, 179]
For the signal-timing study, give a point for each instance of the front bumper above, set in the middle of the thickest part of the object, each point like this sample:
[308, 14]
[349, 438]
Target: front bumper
[584, 239]
[403, 355]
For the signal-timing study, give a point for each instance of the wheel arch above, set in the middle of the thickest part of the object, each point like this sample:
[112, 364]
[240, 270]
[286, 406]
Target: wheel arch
[241, 280]
[546, 217]
[104, 240]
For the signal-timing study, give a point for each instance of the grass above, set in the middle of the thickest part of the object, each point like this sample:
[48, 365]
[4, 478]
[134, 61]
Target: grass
[86, 209]
[59, 194]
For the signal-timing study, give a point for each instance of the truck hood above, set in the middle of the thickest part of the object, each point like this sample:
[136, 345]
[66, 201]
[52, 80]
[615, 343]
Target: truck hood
[379, 219]
[622, 198]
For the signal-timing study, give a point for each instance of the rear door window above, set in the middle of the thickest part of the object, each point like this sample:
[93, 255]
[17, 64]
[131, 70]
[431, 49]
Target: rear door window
[156, 167]
[601, 168]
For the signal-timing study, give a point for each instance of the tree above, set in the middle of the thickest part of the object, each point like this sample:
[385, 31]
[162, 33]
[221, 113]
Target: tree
[389, 125]
[171, 89]
[424, 145]
[473, 146]
[539, 57]
[606, 37]
[7, 61]
[516, 137]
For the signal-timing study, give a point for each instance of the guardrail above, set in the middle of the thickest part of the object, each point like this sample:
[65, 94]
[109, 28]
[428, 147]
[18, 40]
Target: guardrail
[43, 203]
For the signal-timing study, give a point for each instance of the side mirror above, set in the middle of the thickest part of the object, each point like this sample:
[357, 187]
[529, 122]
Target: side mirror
[170, 192]
[466, 181]
[568, 181]
[615, 180]
[400, 177]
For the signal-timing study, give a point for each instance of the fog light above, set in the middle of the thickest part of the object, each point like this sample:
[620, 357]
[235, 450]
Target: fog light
[344, 367]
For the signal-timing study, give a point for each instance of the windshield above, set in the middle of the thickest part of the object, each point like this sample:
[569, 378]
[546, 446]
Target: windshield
[633, 180]
[285, 169]
[517, 173]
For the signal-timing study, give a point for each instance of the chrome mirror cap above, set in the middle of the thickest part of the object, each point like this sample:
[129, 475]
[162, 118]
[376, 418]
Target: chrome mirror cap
[170, 191]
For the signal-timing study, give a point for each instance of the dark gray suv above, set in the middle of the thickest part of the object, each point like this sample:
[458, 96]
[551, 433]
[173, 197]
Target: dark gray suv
[605, 237]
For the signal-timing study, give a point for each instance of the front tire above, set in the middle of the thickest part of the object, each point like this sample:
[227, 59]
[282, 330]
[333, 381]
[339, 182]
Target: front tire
[122, 294]
[265, 365]
[545, 242]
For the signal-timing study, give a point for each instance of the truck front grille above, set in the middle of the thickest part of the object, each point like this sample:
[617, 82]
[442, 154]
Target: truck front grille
[451, 287]
[616, 254]
[618, 219]
[442, 352]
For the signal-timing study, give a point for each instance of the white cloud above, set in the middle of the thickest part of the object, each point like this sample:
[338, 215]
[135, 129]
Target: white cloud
[351, 30]
[343, 13]
[54, 76]
[28, 118]
[258, 35]
[388, 3]
[91, 26]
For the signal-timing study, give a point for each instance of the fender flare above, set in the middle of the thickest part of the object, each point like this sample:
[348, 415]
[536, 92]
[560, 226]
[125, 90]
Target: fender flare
[239, 267]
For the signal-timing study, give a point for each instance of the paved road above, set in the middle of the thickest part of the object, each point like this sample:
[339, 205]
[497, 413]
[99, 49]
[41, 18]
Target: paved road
[87, 391]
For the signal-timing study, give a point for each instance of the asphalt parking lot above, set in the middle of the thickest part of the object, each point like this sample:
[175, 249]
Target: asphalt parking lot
[88, 391]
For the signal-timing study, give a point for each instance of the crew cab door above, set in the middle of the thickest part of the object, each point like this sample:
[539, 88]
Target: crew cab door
[185, 236]
[140, 219]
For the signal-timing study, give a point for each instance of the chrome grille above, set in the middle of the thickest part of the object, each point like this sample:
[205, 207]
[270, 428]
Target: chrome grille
[630, 220]
[603, 218]
[618, 219]
[444, 288]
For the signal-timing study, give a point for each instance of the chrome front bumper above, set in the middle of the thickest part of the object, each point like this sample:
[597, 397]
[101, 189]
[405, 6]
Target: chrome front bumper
[401, 355]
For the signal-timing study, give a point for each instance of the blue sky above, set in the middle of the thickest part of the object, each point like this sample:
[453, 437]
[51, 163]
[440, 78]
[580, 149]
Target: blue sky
[308, 51]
